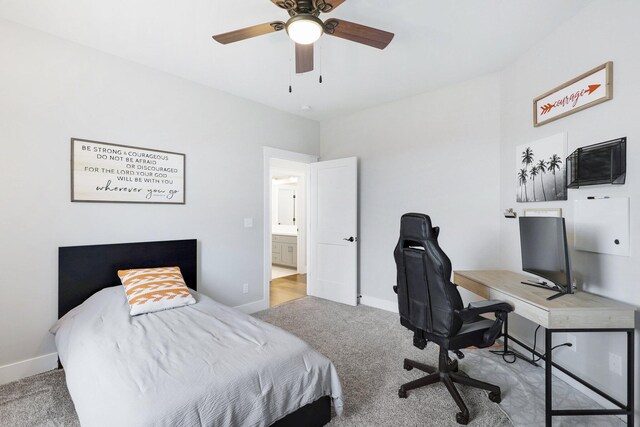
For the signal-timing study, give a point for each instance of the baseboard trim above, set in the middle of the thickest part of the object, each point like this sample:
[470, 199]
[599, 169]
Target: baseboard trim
[27, 368]
[380, 303]
[253, 307]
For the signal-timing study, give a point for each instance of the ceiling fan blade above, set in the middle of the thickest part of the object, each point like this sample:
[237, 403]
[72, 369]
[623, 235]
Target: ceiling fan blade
[249, 32]
[285, 4]
[326, 6]
[358, 33]
[304, 58]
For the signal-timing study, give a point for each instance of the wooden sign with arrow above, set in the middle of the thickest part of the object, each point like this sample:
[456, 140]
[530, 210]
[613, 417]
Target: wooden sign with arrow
[591, 88]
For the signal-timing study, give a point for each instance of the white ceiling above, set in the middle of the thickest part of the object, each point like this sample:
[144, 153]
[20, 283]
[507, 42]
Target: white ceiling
[437, 42]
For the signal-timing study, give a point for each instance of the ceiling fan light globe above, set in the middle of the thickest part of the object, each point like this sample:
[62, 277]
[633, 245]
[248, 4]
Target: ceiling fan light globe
[304, 29]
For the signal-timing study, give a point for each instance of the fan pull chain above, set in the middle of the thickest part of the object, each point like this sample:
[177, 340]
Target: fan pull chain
[320, 60]
[290, 65]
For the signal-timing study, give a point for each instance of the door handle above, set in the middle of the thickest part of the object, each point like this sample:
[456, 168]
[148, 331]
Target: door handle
[351, 239]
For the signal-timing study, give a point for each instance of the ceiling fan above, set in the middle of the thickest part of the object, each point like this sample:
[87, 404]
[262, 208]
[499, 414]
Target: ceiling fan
[305, 27]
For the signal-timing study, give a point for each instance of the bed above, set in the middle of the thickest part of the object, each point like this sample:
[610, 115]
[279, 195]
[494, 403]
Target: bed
[202, 364]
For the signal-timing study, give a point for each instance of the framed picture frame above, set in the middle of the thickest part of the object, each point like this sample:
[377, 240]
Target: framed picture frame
[589, 89]
[111, 173]
[540, 170]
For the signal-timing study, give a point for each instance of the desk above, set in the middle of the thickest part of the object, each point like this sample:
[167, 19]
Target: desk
[579, 312]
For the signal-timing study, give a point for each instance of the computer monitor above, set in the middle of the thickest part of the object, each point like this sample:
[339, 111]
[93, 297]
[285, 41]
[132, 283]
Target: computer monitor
[545, 253]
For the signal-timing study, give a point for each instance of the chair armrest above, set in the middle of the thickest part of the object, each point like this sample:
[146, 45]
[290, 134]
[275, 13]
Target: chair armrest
[477, 308]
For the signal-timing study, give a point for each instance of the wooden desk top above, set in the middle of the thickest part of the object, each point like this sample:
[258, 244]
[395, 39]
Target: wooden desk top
[581, 310]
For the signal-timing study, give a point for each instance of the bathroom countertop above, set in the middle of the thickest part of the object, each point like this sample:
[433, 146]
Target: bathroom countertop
[284, 233]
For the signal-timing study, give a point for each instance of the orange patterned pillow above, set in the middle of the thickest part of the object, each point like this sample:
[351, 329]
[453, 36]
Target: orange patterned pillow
[155, 289]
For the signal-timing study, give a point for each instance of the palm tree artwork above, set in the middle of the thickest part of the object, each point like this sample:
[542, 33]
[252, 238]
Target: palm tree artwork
[533, 172]
[527, 156]
[541, 162]
[552, 166]
[527, 159]
[522, 179]
[542, 170]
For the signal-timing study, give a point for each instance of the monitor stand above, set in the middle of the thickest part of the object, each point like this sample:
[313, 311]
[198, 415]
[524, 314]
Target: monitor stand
[558, 295]
[543, 285]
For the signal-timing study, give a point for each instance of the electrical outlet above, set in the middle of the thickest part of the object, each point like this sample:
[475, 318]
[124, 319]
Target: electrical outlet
[245, 288]
[615, 363]
[248, 222]
[572, 339]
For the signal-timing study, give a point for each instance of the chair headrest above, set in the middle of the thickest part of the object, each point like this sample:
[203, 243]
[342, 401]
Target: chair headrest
[416, 226]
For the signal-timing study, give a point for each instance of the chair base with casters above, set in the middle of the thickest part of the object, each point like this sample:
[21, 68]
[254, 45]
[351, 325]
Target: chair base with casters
[447, 373]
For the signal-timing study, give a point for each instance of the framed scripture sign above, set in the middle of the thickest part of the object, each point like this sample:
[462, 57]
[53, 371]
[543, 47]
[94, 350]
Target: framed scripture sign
[589, 89]
[102, 172]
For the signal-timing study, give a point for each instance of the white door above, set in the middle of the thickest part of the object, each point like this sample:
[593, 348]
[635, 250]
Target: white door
[333, 239]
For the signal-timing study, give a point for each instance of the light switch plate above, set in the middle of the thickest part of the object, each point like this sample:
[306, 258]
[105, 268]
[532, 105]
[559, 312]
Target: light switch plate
[248, 222]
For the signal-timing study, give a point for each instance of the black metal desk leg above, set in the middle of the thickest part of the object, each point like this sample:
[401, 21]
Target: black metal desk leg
[630, 376]
[548, 397]
[505, 335]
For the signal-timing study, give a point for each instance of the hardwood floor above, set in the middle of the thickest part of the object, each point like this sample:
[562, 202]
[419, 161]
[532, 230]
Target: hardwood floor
[285, 289]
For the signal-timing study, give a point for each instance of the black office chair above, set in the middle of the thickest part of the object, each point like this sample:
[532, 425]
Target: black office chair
[430, 306]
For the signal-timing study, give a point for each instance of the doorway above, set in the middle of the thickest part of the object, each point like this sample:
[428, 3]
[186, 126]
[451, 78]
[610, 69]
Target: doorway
[286, 225]
[325, 227]
[288, 215]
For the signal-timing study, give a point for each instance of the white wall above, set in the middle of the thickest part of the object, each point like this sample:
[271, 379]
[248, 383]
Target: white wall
[603, 31]
[52, 90]
[436, 153]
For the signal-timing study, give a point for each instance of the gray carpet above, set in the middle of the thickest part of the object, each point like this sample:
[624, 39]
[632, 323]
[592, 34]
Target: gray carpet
[367, 346]
[41, 400]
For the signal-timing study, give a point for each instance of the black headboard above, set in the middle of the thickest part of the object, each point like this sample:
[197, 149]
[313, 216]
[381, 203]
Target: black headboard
[84, 270]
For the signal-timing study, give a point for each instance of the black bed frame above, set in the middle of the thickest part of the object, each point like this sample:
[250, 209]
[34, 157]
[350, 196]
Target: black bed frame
[85, 270]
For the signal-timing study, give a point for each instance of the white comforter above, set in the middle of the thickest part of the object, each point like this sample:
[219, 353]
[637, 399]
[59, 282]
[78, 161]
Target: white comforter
[203, 364]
